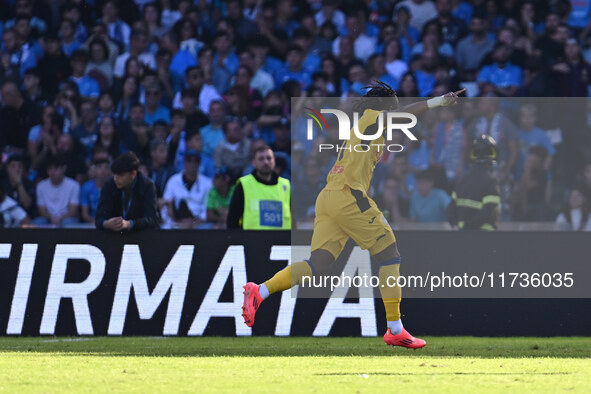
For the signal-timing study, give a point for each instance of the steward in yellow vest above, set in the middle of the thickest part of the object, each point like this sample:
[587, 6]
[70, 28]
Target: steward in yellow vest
[261, 200]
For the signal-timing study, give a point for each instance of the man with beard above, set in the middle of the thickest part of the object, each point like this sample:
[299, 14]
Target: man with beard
[261, 200]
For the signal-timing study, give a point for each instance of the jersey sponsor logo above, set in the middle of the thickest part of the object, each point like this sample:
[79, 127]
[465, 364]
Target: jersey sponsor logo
[337, 170]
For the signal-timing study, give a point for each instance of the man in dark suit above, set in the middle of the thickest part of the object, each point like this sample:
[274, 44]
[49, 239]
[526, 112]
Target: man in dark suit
[128, 199]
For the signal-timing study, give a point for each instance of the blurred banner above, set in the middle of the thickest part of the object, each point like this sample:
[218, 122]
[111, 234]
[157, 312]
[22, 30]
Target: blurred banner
[85, 282]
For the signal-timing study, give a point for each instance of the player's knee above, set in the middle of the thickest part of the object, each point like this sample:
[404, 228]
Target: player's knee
[391, 252]
[321, 261]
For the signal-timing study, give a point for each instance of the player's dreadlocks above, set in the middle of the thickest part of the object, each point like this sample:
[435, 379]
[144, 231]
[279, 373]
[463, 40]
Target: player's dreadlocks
[383, 97]
[381, 90]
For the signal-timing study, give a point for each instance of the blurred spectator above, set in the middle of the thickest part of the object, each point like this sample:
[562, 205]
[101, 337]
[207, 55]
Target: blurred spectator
[53, 66]
[88, 87]
[293, 70]
[204, 93]
[428, 204]
[245, 28]
[492, 122]
[407, 182]
[159, 168]
[452, 28]
[128, 199]
[330, 12]
[307, 189]
[224, 54]
[261, 200]
[261, 80]
[212, 133]
[551, 43]
[363, 45]
[24, 8]
[394, 66]
[154, 111]
[194, 142]
[11, 213]
[99, 31]
[425, 74]
[72, 12]
[90, 191]
[70, 156]
[449, 140]
[99, 66]
[432, 39]
[233, 151]
[575, 215]
[34, 92]
[137, 48]
[501, 78]
[106, 107]
[420, 12]
[16, 185]
[531, 135]
[57, 196]
[219, 199]
[388, 201]
[408, 85]
[282, 137]
[118, 30]
[151, 15]
[572, 75]
[17, 56]
[134, 131]
[127, 95]
[303, 39]
[108, 138]
[532, 190]
[181, 59]
[17, 116]
[472, 49]
[87, 131]
[186, 195]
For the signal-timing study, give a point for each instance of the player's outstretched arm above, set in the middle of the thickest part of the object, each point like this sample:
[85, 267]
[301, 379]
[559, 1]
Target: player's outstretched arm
[419, 107]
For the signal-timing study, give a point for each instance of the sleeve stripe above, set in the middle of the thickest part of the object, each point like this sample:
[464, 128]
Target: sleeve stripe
[491, 199]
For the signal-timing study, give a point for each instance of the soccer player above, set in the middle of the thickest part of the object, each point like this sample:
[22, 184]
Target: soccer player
[344, 210]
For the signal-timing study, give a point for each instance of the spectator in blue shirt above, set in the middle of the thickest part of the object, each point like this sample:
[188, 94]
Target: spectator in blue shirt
[155, 111]
[425, 76]
[224, 56]
[90, 191]
[213, 134]
[428, 204]
[293, 70]
[69, 43]
[303, 38]
[181, 59]
[16, 59]
[501, 77]
[530, 135]
[87, 86]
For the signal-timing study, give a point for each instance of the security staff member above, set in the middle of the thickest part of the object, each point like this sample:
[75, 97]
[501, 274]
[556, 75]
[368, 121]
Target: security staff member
[475, 201]
[261, 200]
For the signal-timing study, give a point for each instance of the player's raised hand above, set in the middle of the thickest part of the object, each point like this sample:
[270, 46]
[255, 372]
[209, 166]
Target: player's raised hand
[451, 98]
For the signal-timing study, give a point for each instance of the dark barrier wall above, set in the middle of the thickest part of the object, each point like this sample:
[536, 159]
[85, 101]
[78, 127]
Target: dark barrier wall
[68, 282]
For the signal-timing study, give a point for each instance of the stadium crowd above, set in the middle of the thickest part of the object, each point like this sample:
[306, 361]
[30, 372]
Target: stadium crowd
[195, 87]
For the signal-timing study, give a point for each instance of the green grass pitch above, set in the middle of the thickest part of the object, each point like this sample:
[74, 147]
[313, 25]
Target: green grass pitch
[262, 364]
